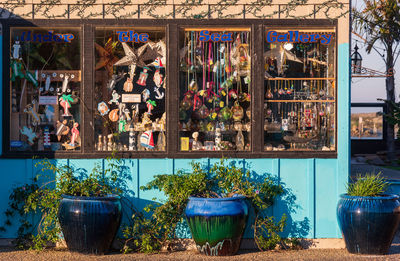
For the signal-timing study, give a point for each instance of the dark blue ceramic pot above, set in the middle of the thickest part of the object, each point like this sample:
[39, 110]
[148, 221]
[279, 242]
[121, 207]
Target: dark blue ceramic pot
[89, 224]
[368, 224]
[217, 224]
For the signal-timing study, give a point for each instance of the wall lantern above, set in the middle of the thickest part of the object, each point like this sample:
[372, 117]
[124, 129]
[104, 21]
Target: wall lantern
[356, 60]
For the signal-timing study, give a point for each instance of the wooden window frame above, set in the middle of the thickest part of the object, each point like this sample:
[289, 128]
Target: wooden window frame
[172, 27]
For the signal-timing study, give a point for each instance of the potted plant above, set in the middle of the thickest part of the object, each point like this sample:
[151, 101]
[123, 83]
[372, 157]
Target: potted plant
[215, 203]
[368, 218]
[86, 208]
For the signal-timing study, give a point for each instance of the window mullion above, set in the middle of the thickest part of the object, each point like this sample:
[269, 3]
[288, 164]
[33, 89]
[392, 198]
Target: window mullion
[257, 88]
[87, 88]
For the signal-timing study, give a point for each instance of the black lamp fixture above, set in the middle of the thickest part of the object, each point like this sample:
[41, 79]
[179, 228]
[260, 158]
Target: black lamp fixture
[356, 60]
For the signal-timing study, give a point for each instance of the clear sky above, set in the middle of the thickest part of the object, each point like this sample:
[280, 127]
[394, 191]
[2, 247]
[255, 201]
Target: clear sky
[370, 89]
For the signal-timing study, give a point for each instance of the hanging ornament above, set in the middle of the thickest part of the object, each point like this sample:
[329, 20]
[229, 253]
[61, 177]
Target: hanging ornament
[213, 115]
[244, 97]
[65, 83]
[157, 63]
[232, 94]
[16, 50]
[65, 102]
[146, 139]
[46, 137]
[145, 95]
[49, 113]
[29, 133]
[31, 78]
[75, 134]
[197, 103]
[158, 78]
[16, 71]
[103, 108]
[203, 112]
[160, 95]
[114, 115]
[269, 112]
[32, 111]
[143, 77]
[115, 97]
[225, 114]
[62, 129]
[193, 86]
[150, 106]
[132, 138]
[237, 112]
[128, 85]
[121, 124]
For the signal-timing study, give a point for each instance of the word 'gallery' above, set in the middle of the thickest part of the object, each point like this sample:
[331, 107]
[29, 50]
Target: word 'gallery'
[215, 74]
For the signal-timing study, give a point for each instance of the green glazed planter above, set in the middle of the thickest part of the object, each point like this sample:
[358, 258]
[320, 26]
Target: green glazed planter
[217, 224]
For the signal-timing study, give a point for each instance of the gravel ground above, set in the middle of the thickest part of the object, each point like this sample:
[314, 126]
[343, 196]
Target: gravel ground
[310, 254]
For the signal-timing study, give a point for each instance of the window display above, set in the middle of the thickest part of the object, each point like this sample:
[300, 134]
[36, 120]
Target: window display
[214, 89]
[45, 76]
[130, 89]
[299, 90]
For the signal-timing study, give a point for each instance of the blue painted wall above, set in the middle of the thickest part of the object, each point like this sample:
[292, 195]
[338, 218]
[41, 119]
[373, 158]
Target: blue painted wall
[313, 185]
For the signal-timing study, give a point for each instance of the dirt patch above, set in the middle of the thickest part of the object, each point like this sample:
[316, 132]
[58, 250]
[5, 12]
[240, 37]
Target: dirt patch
[310, 254]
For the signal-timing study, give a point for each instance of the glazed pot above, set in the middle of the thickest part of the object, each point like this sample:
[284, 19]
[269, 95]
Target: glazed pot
[368, 224]
[89, 224]
[217, 224]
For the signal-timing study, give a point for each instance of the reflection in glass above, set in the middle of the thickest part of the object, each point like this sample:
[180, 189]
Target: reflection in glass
[45, 76]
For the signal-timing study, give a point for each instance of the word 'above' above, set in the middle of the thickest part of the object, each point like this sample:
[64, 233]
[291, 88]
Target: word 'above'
[296, 36]
[131, 36]
[205, 36]
[50, 36]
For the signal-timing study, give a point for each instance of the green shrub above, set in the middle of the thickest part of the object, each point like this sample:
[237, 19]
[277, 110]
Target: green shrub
[221, 180]
[369, 185]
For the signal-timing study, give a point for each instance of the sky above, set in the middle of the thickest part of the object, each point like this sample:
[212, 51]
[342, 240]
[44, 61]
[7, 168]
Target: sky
[370, 89]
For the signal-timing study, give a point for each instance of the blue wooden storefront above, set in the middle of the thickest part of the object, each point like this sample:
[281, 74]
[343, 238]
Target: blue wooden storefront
[314, 183]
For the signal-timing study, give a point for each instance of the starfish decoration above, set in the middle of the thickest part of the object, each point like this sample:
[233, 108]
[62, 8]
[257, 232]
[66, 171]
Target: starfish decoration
[107, 58]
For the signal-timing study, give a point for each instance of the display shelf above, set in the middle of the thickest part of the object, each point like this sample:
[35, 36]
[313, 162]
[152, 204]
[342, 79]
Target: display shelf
[330, 101]
[300, 79]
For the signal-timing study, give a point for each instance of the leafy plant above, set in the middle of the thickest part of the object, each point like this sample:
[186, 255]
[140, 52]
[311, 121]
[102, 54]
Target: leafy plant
[150, 234]
[370, 185]
[43, 198]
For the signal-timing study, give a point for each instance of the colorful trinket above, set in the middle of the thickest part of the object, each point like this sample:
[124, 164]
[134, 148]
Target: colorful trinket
[143, 77]
[128, 85]
[29, 133]
[103, 108]
[65, 102]
[115, 98]
[150, 106]
[113, 115]
[146, 139]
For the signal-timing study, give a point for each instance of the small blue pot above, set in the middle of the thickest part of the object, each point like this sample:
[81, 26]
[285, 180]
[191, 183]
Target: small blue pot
[89, 224]
[217, 224]
[368, 224]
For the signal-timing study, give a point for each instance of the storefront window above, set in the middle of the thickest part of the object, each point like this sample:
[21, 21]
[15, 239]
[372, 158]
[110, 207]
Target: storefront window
[45, 76]
[214, 89]
[299, 90]
[130, 84]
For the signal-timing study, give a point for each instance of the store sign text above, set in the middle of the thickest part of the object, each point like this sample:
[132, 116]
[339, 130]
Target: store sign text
[131, 36]
[205, 36]
[50, 36]
[296, 36]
